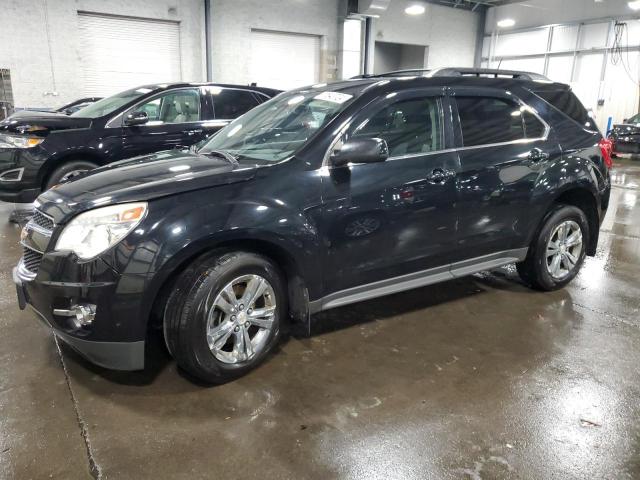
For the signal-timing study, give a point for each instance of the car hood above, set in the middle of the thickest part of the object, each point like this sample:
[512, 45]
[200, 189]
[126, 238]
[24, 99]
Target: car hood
[626, 129]
[140, 179]
[41, 122]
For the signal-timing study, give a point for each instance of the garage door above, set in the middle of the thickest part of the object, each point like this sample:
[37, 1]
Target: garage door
[118, 53]
[284, 60]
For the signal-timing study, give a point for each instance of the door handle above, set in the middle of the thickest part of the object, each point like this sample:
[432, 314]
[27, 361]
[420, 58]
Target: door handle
[537, 155]
[440, 175]
[193, 132]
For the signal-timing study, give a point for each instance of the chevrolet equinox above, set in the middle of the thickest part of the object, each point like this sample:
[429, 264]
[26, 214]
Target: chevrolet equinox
[321, 197]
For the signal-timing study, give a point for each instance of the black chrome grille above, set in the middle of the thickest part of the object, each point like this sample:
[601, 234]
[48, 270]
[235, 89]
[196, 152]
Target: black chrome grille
[31, 259]
[41, 220]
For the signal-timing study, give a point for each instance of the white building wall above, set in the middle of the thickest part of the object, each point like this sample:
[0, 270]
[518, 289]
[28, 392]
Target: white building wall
[232, 21]
[23, 43]
[544, 12]
[449, 34]
[611, 98]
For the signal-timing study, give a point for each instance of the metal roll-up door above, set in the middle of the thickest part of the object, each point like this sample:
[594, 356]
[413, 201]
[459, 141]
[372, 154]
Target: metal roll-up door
[118, 53]
[284, 60]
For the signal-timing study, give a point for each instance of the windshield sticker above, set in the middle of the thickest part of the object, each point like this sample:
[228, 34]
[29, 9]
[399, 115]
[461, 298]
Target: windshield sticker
[333, 97]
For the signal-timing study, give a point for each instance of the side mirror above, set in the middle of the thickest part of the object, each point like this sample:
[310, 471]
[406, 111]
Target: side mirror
[360, 150]
[136, 118]
[625, 120]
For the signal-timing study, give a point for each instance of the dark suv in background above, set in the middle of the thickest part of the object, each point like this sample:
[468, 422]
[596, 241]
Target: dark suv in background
[39, 150]
[625, 137]
[321, 197]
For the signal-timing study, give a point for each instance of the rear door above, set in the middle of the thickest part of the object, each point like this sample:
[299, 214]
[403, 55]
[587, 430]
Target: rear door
[176, 120]
[503, 146]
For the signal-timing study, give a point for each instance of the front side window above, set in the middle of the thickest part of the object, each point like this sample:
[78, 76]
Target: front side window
[111, 104]
[411, 126]
[230, 103]
[275, 130]
[179, 106]
[486, 120]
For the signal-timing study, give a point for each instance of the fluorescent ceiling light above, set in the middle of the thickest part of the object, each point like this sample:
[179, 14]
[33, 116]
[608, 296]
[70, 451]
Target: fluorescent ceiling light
[634, 5]
[506, 22]
[414, 9]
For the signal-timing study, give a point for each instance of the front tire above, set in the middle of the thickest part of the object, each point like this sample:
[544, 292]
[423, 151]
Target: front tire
[558, 251]
[67, 171]
[224, 315]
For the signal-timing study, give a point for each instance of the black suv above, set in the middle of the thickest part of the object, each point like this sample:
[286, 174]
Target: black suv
[321, 197]
[625, 137]
[41, 149]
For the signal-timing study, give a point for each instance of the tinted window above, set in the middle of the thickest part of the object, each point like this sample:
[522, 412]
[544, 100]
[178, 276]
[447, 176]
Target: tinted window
[179, 106]
[533, 128]
[229, 103]
[409, 126]
[489, 120]
[568, 103]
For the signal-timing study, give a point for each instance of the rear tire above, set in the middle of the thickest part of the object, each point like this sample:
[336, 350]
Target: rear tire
[67, 171]
[215, 324]
[558, 250]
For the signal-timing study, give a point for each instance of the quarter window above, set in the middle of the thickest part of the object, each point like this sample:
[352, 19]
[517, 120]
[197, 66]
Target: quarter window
[179, 106]
[568, 103]
[485, 121]
[410, 126]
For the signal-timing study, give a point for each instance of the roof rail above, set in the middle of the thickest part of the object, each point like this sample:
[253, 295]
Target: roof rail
[394, 73]
[481, 72]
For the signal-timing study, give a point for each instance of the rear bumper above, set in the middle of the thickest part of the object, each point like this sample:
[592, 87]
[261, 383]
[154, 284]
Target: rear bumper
[108, 353]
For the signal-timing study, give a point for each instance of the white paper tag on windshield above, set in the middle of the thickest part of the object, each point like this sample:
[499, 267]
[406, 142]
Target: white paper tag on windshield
[333, 97]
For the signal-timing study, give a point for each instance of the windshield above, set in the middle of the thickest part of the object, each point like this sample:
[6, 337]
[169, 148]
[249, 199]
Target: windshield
[278, 128]
[634, 119]
[110, 104]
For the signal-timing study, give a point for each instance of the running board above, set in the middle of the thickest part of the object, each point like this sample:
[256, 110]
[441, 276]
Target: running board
[417, 279]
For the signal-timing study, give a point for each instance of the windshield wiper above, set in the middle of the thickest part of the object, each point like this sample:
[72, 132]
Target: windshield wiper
[224, 154]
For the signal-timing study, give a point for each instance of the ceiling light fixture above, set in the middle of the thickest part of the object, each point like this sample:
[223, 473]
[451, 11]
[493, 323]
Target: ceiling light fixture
[415, 9]
[506, 23]
[634, 5]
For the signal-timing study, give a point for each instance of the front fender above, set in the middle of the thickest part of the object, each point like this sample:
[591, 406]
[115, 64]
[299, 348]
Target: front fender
[174, 233]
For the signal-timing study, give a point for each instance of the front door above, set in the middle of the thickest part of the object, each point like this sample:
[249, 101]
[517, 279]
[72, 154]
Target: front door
[176, 120]
[396, 217]
[505, 146]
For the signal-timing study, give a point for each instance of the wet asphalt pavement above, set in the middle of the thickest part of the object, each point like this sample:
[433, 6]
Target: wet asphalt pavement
[477, 378]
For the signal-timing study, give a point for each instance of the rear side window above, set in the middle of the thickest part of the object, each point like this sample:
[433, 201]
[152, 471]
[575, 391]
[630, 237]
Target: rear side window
[486, 120]
[230, 103]
[568, 103]
[409, 127]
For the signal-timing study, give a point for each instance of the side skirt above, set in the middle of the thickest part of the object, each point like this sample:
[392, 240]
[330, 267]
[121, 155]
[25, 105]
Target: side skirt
[417, 279]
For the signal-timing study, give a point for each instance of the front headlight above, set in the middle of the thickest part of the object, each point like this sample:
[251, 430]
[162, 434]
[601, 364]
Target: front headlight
[93, 232]
[19, 141]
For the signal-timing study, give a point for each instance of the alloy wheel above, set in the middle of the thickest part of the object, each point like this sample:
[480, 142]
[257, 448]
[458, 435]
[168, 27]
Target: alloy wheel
[240, 319]
[564, 249]
[69, 175]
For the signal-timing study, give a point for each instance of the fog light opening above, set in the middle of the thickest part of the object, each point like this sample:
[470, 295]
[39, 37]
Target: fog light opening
[80, 315]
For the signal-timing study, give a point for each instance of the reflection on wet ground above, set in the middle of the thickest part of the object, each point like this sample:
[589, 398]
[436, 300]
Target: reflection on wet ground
[475, 378]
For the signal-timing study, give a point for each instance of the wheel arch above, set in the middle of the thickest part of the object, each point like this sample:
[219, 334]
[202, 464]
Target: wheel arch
[297, 293]
[585, 200]
[54, 162]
